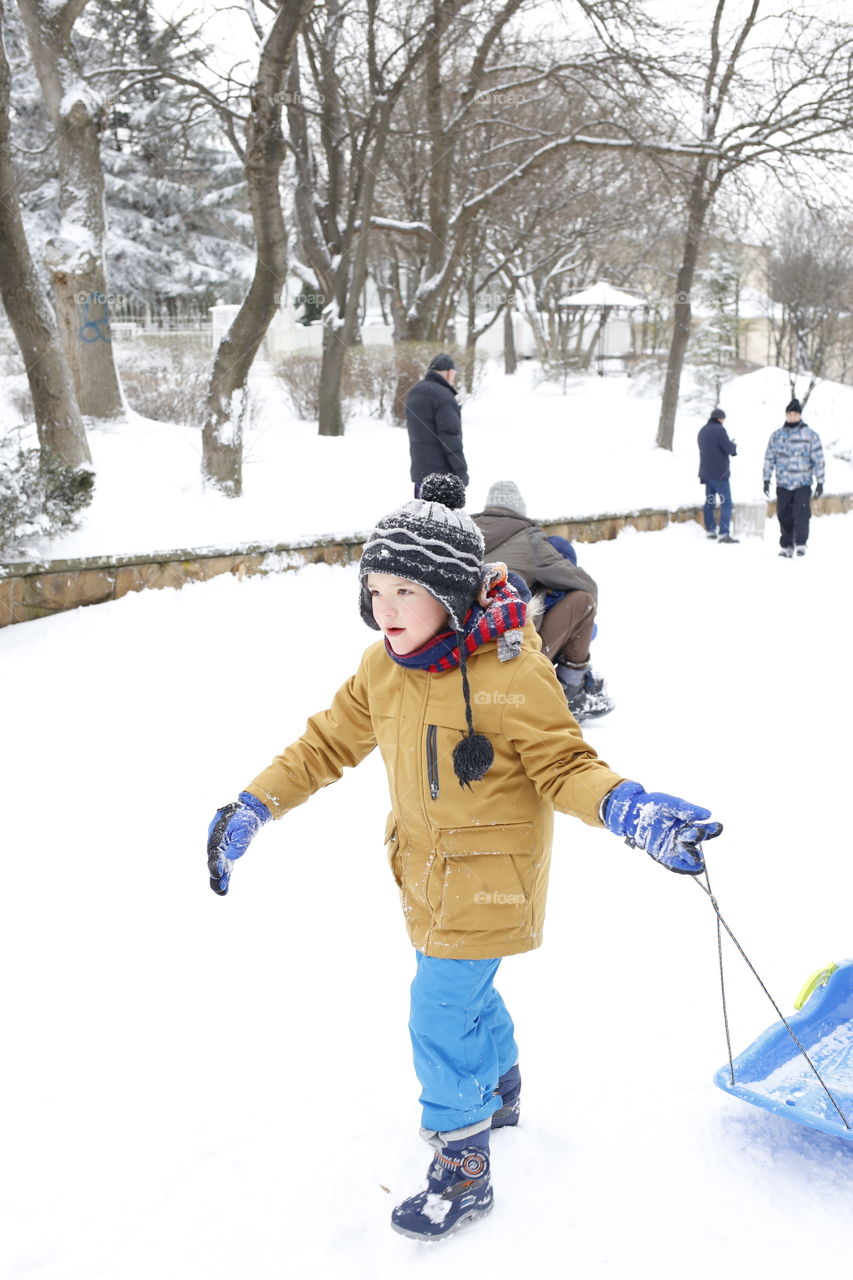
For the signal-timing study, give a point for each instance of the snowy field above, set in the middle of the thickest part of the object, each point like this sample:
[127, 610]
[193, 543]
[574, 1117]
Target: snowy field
[587, 452]
[199, 1088]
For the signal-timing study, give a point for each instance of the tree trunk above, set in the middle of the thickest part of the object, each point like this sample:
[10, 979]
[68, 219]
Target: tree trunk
[222, 434]
[75, 257]
[60, 429]
[510, 359]
[331, 419]
[698, 207]
[342, 327]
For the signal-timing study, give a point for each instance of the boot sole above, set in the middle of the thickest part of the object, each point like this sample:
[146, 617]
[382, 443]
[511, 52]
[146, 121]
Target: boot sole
[467, 1219]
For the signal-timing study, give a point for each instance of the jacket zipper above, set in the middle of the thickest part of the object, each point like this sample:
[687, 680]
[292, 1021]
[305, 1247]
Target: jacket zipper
[432, 760]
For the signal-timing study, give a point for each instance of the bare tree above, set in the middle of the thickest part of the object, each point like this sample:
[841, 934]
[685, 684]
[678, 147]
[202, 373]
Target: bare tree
[795, 100]
[810, 285]
[75, 257]
[60, 429]
[222, 435]
[485, 119]
[504, 130]
[349, 77]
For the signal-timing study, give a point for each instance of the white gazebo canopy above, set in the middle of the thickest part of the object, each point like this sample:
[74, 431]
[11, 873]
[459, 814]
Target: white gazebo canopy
[602, 294]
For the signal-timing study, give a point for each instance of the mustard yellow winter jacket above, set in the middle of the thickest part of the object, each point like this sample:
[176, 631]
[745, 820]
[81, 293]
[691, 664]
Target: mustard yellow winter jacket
[472, 865]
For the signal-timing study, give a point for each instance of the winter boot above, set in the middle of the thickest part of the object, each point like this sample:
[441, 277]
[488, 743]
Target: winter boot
[787, 552]
[575, 678]
[458, 1191]
[587, 698]
[728, 538]
[799, 551]
[509, 1088]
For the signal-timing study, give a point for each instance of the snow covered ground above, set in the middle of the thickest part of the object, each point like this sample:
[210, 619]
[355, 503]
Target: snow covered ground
[198, 1088]
[590, 451]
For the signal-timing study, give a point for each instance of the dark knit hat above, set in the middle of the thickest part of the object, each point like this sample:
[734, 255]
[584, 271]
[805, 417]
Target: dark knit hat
[717, 415]
[431, 541]
[794, 407]
[442, 362]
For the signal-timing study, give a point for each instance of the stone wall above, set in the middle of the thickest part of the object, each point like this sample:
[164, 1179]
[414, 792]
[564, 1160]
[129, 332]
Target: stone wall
[30, 590]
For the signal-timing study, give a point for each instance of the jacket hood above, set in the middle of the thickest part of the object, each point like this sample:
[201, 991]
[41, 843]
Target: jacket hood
[499, 524]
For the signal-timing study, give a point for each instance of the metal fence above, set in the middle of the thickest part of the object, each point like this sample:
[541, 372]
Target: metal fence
[129, 316]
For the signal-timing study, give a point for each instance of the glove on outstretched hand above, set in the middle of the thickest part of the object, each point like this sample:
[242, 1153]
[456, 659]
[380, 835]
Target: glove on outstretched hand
[670, 829]
[767, 488]
[229, 835]
[818, 489]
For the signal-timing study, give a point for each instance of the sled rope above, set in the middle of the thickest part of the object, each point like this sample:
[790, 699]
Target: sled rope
[722, 973]
[720, 921]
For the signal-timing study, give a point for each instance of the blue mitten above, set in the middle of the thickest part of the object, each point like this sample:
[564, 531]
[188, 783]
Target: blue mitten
[229, 834]
[670, 829]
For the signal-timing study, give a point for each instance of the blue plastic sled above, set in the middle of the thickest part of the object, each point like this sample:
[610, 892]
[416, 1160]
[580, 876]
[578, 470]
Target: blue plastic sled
[772, 1073]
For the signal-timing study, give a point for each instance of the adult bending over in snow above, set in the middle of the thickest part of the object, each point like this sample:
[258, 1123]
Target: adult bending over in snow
[549, 566]
[472, 812]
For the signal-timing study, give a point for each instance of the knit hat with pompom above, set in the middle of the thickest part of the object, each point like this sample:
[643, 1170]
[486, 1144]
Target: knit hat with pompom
[431, 541]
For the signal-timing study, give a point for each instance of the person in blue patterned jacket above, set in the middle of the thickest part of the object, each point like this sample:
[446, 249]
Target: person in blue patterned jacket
[795, 452]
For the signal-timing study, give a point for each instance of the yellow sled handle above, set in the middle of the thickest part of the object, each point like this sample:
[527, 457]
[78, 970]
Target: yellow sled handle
[818, 979]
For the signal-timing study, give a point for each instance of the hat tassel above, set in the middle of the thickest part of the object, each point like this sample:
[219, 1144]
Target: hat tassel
[474, 755]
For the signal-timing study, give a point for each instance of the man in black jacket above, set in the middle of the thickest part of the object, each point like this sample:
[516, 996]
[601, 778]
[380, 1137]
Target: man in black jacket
[434, 423]
[715, 450]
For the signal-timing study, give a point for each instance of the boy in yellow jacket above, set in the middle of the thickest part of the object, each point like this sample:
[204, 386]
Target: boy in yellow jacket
[472, 806]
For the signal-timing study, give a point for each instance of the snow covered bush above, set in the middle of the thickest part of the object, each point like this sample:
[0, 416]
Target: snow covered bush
[165, 378]
[19, 398]
[376, 377]
[369, 379]
[299, 371]
[35, 501]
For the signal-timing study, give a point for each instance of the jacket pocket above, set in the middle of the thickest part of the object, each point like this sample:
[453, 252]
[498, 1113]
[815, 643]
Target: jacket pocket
[392, 850]
[489, 873]
[432, 760]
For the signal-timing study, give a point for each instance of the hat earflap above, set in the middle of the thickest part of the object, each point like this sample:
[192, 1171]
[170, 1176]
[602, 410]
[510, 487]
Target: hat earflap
[474, 756]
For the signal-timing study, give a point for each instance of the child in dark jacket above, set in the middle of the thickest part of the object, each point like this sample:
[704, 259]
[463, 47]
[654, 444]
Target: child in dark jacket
[469, 835]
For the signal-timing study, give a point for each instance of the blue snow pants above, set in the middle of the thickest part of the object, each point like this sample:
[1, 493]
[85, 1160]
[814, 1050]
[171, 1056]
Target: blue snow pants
[722, 488]
[463, 1041]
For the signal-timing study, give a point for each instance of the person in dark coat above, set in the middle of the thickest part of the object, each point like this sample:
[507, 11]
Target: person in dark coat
[715, 450]
[434, 423]
[570, 596]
